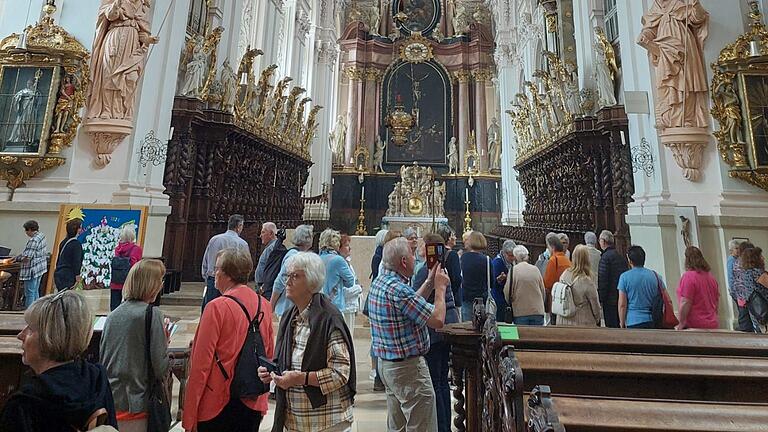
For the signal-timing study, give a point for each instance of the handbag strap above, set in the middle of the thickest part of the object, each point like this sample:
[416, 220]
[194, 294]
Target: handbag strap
[148, 339]
[61, 252]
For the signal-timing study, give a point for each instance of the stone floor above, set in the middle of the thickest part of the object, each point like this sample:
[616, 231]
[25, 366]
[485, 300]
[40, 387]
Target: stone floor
[370, 407]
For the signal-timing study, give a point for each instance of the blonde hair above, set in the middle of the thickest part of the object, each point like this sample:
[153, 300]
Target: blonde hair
[128, 234]
[63, 322]
[580, 265]
[476, 241]
[144, 280]
[330, 239]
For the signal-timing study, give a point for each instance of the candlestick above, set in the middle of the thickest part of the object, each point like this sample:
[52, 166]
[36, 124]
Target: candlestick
[466, 194]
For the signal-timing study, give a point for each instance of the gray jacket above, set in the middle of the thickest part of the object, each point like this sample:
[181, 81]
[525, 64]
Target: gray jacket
[122, 353]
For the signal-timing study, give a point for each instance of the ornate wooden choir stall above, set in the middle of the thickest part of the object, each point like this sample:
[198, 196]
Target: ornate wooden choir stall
[237, 148]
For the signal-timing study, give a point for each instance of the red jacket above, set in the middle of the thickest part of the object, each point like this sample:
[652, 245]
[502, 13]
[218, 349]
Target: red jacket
[222, 329]
[130, 250]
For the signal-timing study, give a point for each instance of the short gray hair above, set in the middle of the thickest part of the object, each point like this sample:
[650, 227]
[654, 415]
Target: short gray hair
[590, 238]
[394, 251]
[313, 267]
[734, 243]
[409, 232]
[302, 235]
[607, 237]
[270, 226]
[235, 221]
[521, 253]
[553, 241]
[128, 234]
[564, 238]
[380, 237]
[508, 246]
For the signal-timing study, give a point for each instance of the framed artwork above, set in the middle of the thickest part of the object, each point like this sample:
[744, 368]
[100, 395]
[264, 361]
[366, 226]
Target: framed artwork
[420, 16]
[755, 87]
[27, 99]
[687, 231]
[99, 236]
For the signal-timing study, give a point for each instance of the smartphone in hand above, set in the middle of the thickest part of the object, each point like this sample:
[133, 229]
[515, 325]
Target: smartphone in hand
[269, 365]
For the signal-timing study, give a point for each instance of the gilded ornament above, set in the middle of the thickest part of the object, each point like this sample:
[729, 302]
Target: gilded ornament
[416, 49]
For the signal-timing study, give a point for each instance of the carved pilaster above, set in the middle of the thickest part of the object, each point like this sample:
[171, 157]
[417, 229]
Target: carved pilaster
[354, 73]
[462, 76]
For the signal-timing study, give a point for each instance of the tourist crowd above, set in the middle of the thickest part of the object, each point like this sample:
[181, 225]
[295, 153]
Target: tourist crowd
[418, 285]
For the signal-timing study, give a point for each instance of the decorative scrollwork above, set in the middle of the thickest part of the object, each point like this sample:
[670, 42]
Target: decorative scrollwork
[152, 150]
[642, 158]
[542, 416]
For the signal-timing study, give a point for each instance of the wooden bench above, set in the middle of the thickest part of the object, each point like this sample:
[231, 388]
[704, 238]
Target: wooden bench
[711, 369]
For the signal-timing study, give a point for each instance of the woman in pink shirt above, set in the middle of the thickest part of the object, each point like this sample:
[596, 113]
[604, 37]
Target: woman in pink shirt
[697, 293]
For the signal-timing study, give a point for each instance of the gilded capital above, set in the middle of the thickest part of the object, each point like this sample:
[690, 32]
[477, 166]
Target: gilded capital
[462, 76]
[482, 74]
[354, 73]
[373, 74]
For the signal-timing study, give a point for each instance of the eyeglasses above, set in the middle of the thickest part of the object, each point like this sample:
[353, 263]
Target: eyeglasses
[58, 296]
[294, 275]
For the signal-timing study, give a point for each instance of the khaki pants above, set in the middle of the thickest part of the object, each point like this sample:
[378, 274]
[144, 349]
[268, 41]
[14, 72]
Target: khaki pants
[410, 395]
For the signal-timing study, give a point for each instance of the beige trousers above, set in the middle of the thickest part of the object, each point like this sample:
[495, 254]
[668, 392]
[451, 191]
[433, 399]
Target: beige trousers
[410, 395]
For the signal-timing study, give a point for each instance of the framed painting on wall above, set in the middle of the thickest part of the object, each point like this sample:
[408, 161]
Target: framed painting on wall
[99, 236]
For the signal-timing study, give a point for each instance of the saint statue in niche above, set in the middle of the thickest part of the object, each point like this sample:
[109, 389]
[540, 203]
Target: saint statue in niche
[378, 155]
[25, 108]
[337, 138]
[453, 157]
[494, 145]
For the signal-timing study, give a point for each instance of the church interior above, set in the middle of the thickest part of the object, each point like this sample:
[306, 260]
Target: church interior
[515, 119]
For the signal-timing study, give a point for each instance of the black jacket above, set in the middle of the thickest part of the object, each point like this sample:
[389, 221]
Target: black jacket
[324, 318]
[612, 265]
[60, 399]
[68, 264]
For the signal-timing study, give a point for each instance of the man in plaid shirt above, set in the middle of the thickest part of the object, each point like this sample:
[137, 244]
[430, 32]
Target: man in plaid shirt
[34, 262]
[399, 320]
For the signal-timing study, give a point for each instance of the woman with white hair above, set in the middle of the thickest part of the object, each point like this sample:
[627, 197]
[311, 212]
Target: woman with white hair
[525, 289]
[302, 241]
[314, 353]
[127, 254]
[339, 277]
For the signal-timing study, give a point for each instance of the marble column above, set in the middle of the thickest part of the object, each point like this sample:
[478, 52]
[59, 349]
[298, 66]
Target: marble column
[481, 77]
[355, 90]
[463, 78]
[370, 120]
[512, 198]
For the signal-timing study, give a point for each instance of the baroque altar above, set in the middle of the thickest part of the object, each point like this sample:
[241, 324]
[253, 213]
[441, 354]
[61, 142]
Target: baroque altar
[417, 200]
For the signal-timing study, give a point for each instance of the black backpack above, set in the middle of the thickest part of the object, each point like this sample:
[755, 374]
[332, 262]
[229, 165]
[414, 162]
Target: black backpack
[246, 382]
[272, 269]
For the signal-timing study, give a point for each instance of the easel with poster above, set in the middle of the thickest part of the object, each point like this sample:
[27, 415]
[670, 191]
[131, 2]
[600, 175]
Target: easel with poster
[99, 236]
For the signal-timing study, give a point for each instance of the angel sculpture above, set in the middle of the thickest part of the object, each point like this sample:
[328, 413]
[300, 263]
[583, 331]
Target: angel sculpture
[378, 155]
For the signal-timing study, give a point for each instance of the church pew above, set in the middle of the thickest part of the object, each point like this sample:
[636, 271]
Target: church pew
[653, 376]
[11, 368]
[596, 414]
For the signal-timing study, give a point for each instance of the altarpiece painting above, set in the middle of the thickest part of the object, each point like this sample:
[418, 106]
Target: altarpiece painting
[27, 94]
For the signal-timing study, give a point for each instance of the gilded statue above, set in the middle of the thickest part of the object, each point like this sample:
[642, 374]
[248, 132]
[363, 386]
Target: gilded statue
[119, 51]
[674, 32]
[264, 88]
[295, 127]
[293, 97]
[393, 201]
[453, 157]
[494, 145]
[278, 100]
[228, 80]
[438, 197]
[311, 127]
[338, 137]
[606, 69]
[727, 103]
[66, 103]
[210, 47]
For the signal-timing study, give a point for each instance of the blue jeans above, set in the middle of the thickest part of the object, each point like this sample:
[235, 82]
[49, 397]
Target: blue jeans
[210, 292]
[536, 320]
[31, 291]
[437, 362]
[645, 325]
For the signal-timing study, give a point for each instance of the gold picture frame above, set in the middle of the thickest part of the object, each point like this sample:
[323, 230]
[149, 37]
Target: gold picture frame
[754, 92]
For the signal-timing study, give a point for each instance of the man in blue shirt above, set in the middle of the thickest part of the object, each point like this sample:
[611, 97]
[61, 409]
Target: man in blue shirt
[638, 291]
[229, 239]
[268, 238]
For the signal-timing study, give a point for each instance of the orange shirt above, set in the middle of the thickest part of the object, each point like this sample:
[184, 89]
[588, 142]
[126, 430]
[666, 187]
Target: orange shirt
[222, 330]
[558, 263]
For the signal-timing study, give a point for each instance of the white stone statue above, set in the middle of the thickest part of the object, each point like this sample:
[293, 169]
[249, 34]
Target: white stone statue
[378, 155]
[119, 51]
[453, 157]
[393, 201]
[605, 69]
[337, 140]
[494, 145]
[572, 92]
[439, 192]
[228, 81]
[197, 68]
[25, 104]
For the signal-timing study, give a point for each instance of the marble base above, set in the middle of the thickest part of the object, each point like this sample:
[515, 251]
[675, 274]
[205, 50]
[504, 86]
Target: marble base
[422, 224]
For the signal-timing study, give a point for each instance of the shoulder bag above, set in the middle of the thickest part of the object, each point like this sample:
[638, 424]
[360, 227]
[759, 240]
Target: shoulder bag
[757, 304]
[490, 303]
[157, 402]
[662, 310]
[562, 299]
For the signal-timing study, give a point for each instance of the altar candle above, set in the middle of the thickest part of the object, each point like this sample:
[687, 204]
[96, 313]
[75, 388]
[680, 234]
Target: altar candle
[362, 192]
[466, 194]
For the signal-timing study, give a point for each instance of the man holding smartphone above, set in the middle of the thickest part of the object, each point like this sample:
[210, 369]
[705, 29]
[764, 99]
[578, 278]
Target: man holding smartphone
[400, 317]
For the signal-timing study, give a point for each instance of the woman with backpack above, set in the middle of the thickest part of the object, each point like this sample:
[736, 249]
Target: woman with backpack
[583, 291]
[217, 353]
[127, 254]
[753, 265]
[124, 344]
